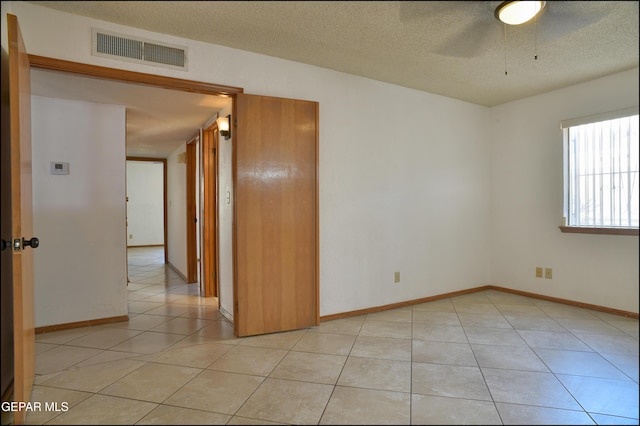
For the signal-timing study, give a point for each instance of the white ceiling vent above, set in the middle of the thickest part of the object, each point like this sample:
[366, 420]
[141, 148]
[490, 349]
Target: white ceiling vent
[134, 49]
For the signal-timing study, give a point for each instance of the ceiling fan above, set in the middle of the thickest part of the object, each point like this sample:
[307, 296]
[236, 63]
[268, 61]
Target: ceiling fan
[478, 26]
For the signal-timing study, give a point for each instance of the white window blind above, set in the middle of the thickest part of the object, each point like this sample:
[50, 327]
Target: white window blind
[601, 170]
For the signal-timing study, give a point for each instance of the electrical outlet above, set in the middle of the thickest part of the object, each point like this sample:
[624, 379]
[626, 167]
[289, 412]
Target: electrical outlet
[396, 278]
[538, 272]
[548, 273]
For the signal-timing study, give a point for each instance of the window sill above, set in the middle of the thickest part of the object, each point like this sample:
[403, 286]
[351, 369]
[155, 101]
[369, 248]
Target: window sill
[607, 231]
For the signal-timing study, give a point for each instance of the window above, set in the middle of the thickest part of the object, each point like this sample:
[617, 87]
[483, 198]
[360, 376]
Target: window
[601, 171]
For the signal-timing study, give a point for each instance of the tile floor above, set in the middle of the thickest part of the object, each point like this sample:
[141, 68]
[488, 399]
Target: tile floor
[484, 358]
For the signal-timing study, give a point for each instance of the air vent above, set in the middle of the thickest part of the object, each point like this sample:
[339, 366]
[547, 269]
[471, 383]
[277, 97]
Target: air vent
[133, 49]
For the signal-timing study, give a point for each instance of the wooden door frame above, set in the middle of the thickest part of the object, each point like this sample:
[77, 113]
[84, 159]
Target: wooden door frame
[209, 262]
[53, 64]
[164, 199]
[192, 211]
[21, 206]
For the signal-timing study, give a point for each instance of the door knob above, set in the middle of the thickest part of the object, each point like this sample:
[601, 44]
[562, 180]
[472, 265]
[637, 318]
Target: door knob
[33, 242]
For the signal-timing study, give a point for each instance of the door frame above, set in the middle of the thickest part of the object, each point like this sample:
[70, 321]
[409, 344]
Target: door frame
[53, 64]
[192, 209]
[164, 201]
[209, 258]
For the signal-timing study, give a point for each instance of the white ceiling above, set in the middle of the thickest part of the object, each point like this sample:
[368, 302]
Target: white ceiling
[451, 48]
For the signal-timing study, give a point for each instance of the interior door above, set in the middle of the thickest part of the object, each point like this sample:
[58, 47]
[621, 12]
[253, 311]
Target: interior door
[275, 156]
[21, 216]
[209, 255]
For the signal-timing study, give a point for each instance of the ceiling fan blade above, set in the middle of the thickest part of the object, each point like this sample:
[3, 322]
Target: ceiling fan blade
[470, 41]
[564, 17]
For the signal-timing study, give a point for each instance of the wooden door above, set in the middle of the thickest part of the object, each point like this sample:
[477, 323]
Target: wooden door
[275, 154]
[21, 216]
[209, 254]
[192, 215]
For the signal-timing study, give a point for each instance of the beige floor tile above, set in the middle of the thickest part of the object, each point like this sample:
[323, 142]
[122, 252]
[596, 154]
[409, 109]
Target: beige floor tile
[392, 315]
[95, 377]
[515, 358]
[148, 343]
[184, 326]
[624, 344]
[528, 388]
[350, 326]
[604, 396]
[221, 330]
[287, 401]
[453, 381]
[379, 374]
[603, 419]
[493, 336]
[104, 338]
[353, 406]
[382, 348]
[199, 356]
[443, 353]
[442, 305]
[142, 322]
[285, 340]
[61, 358]
[440, 318]
[525, 311]
[249, 360]
[107, 356]
[202, 312]
[167, 415]
[628, 364]
[558, 310]
[475, 308]
[439, 333]
[579, 364]
[501, 298]
[533, 323]
[63, 399]
[514, 414]
[142, 306]
[400, 330]
[590, 326]
[238, 420]
[476, 297]
[231, 390]
[438, 410]
[310, 367]
[152, 382]
[483, 320]
[63, 336]
[43, 347]
[553, 340]
[326, 343]
[103, 409]
[168, 310]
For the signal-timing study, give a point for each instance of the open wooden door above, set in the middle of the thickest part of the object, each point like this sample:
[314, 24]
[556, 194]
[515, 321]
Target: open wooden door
[275, 154]
[21, 216]
[192, 213]
[209, 223]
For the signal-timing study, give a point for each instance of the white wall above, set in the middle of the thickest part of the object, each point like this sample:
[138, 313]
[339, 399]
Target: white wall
[177, 211]
[225, 222]
[415, 197]
[145, 208]
[80, 266]
[527, 201]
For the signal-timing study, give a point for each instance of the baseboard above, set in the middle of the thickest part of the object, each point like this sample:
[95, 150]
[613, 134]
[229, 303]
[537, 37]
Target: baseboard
[79, 324]
[474, 290]
[174, 269]
[225, 314]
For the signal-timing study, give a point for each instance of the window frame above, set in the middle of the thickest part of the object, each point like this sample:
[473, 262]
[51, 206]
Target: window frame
[564, 126]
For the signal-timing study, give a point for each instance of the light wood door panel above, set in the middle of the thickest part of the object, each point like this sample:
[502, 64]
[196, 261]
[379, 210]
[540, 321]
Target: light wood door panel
[276, 215]
[22, 216]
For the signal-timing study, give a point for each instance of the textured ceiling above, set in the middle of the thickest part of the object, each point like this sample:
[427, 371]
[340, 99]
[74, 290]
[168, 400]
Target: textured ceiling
[455, 49]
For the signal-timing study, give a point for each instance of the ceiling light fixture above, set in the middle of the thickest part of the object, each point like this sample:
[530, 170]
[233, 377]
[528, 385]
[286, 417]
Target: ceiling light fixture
[518, 12]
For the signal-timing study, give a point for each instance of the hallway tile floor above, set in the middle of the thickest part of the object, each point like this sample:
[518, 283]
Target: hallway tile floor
[483, 358]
